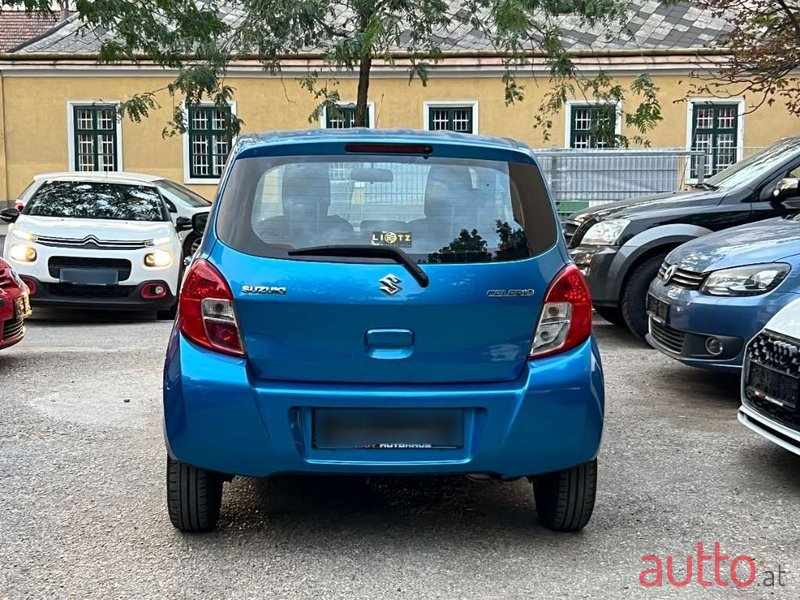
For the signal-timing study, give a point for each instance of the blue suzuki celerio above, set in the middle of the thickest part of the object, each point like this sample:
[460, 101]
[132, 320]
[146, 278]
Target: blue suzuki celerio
[382, 302]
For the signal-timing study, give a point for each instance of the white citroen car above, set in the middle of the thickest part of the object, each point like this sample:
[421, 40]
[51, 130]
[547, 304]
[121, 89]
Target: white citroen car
[181, 201]
[96, 241]
[771, 380]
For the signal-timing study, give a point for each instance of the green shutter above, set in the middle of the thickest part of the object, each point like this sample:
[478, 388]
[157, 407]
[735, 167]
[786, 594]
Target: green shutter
[451, 118]
[209, 140]
[95, 137]
[593, 126]
[715, 129]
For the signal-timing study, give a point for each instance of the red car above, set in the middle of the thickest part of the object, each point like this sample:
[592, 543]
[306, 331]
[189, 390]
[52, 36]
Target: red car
[15, 306]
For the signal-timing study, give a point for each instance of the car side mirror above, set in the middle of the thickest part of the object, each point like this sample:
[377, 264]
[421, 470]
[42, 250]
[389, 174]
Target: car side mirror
[9, 215]
[788, 187]
[184, 224]
[199, 222]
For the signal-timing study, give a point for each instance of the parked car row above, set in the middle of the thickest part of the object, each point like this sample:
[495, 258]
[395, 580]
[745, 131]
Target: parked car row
[102, 240]
[711, 278]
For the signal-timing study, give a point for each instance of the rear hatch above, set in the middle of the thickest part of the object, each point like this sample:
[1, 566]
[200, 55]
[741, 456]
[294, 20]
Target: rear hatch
[391, 268]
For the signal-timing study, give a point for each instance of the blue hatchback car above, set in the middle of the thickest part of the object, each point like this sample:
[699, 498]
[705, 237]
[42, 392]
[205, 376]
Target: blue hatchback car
[379, 302]
[713, 294]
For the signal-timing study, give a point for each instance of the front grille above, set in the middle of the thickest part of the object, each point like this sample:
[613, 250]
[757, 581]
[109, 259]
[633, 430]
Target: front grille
[666, 336]
[56, 263]
[5, 278]
[70, 290]
[91, 242]
[576, 231]
[781, 356]
[684, 278]
[13, 328]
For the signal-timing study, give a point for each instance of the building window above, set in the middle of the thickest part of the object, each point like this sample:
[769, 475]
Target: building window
[208, 140]
[345, 116]
[460, 119]
[95, 136]
[593, 126]
[715, 131]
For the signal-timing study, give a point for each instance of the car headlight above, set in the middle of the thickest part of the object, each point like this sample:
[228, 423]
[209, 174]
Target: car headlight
[605, 233]
[22, 253]
[158, 258]
[745, 281]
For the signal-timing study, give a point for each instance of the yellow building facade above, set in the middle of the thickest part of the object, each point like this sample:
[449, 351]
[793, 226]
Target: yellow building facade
[38, 95]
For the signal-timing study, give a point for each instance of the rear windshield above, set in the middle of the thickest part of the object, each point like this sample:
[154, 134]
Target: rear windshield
[97, 200]
[436, 210]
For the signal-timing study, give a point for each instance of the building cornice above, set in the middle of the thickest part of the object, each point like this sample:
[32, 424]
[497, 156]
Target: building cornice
[454, 65]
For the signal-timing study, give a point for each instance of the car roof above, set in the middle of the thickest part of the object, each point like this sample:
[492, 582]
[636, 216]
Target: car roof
[361, 134]
[114, 176]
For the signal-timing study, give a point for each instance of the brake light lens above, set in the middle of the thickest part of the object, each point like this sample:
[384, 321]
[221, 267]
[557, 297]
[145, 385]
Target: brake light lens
[566, 319]
[205, 310]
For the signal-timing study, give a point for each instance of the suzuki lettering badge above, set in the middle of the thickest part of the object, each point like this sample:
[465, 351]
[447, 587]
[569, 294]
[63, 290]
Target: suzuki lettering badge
[389, 285]
[669, 274]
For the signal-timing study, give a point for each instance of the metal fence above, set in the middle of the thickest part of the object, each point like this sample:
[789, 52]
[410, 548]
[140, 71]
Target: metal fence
[582, 178]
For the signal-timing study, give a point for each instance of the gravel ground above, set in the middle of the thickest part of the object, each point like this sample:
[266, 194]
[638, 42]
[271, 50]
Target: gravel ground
[82, 507]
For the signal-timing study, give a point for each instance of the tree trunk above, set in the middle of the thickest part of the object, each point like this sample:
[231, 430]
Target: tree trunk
[361, 116]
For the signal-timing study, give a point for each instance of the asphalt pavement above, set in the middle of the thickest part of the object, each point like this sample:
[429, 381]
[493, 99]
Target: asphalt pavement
[82, 501]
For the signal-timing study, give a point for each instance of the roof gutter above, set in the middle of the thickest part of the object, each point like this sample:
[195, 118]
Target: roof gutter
[644, 53]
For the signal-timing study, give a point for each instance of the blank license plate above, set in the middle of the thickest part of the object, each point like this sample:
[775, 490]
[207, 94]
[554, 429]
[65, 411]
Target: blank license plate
[387, 429]
[658, 309]
[90, 276]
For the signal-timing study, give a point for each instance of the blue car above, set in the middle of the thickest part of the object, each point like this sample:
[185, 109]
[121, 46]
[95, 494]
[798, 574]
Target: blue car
[713, 294]
[382, 303]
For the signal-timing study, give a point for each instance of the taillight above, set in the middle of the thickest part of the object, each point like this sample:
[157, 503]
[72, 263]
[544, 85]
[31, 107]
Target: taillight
[205, 310]
[566, 319]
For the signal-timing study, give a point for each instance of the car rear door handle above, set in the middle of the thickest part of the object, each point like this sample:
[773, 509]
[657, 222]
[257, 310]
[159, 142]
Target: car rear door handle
[389, 344]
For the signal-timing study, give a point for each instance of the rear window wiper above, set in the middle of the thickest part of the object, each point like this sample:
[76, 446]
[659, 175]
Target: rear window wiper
[359, 251]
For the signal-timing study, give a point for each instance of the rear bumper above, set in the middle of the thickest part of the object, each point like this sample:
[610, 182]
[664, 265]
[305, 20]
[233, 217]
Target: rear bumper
[99, 297]
[219, 418]
[775, 432]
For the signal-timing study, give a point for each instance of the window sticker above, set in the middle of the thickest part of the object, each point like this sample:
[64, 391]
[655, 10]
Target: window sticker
[398, 239]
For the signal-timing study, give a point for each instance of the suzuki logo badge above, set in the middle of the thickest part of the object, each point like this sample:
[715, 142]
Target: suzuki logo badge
[669, 274]
[389, 285]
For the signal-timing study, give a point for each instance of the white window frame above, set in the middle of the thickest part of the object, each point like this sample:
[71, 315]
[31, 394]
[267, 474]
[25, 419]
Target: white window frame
[473, 104]
[323, 116]
[690, 102]
[187, 177]
[594, 102]
[71, 104]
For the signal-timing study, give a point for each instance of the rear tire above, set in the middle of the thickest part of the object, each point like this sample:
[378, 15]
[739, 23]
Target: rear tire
[612, 314]
[565, 499]
[194, 497]
[634, 295]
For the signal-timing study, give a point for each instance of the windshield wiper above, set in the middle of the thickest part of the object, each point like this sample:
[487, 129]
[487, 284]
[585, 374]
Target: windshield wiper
[705, 186]
[395, 254]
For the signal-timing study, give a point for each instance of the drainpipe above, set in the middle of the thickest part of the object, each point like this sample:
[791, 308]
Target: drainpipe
[4, 193]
